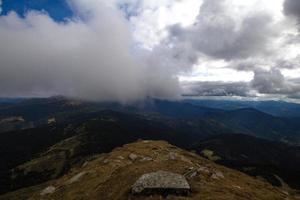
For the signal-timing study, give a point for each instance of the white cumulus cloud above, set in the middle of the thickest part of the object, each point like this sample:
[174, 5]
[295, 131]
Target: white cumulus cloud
[88, 57]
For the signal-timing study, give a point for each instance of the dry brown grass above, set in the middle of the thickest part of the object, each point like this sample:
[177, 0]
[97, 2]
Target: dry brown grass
[110, 176]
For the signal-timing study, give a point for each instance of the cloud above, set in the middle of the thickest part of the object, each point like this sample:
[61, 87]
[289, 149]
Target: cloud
[289, 64]
[254, 40]
[268, 83]
[127, 50]
[89, 56]
[150, 18]
[292, 8]
[219, 33]
[217, 88]
[273, 82]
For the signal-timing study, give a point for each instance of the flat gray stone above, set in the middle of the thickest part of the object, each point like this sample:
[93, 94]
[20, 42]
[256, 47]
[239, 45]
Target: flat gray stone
[161, 182]
[48, 190]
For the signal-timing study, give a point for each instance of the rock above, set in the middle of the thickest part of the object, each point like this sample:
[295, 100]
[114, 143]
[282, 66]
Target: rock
[85, 164]
[161, 182]
[132, 156]
[120, 157]
[51, 121]
[76, 178]
[146, 159]
[203, 169]
[237, 187]
[191, 173]
[194, 174]
[105, 161]
[217, 175]
[48, 190]
[117, 161]
[172, 155]
[184, 159]
[285, 193]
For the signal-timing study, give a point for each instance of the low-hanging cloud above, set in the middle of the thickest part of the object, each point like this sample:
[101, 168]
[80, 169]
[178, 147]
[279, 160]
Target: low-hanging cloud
[217, 88]
[273, 82]
[89, 57]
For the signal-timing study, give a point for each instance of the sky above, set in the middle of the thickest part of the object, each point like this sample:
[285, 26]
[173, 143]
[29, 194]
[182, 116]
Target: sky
[128, 50]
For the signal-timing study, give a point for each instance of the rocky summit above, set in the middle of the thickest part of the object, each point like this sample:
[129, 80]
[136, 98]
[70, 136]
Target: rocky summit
[161, 182]
[151, 170]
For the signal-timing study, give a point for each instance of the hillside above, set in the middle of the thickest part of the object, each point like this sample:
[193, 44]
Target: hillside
[110, 176]
[83, 136]
[256, 123]
[255, 156]
[32, 156]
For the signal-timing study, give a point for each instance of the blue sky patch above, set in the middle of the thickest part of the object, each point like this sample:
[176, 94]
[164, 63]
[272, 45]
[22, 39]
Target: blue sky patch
[59, 10]
[129, 10]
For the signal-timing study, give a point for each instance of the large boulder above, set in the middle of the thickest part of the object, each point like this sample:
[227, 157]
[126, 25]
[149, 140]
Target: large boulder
[161, 182]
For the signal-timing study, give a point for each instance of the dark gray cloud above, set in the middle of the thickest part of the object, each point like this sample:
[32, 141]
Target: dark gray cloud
[294, 96]
[217, 88]
[273, 82]
[292, 8]
[270, 82]
[245, 65]
[266, 82]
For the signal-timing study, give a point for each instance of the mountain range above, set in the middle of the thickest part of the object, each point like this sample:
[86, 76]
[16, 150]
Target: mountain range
[44, 139]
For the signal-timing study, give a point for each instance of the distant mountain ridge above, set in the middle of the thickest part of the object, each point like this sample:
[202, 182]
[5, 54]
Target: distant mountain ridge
[276, 108]
[36, 112]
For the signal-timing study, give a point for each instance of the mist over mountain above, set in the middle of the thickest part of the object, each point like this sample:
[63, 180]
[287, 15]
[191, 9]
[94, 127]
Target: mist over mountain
[81, 57]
